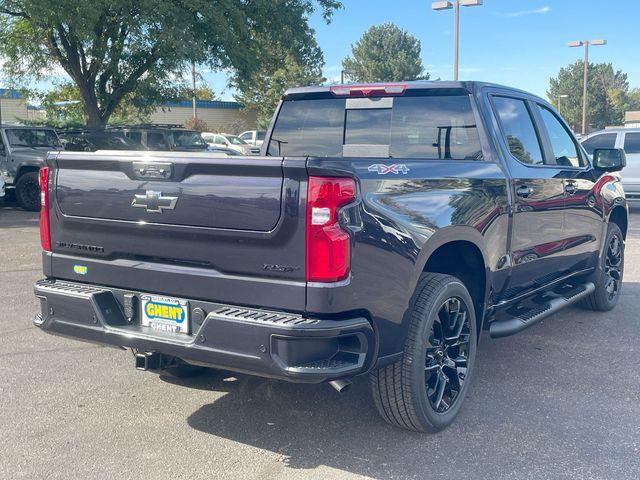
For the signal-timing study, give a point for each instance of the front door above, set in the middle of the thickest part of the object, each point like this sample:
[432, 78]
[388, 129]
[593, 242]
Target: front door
[538, 198]
[583, 212]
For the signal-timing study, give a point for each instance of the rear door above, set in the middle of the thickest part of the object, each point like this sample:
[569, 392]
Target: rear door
[538, 192]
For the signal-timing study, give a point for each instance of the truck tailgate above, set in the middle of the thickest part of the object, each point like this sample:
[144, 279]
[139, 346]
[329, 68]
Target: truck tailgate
[176, 224]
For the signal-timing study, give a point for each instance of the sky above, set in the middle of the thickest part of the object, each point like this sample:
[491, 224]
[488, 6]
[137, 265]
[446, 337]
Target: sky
[520, 43]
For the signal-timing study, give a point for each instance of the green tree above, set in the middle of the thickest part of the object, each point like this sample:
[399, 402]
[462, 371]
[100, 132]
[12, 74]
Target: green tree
[263, 90]
[117, 49]
[608, 95]
[295, 60]
[385, 53]
[64, 108]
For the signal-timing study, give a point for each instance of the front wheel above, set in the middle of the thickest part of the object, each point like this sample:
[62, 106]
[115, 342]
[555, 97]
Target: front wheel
[28, 191]
[425, 389]
[609, 279]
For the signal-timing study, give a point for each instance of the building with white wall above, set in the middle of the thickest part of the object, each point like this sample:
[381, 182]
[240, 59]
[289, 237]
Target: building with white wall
[632, 119]
[13, 106]
[219, 116]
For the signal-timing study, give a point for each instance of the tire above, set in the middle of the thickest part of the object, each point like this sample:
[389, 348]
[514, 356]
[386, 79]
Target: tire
[608, 280]
[28, 191]
[407, 392]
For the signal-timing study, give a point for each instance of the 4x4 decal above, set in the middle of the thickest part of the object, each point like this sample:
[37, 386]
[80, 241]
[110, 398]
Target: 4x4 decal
[383, 169]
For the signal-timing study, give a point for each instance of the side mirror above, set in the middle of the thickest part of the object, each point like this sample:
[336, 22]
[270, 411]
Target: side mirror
[3, 151]
[609, 159]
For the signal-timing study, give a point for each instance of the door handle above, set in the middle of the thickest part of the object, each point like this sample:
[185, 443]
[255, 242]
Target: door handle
[524, 191]
[570, 188]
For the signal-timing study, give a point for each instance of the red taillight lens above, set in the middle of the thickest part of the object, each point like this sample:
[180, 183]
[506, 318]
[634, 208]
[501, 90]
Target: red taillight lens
[45, 228]
[328, 245]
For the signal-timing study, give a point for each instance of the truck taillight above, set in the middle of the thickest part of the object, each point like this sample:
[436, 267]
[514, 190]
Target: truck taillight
[45, 226]
[328, 251]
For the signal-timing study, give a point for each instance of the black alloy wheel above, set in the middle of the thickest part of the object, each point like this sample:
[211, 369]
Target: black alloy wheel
[447, 354]
[613, 266]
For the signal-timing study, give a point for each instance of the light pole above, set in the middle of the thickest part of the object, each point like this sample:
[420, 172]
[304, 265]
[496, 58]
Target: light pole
[193, 86]
[345, 72]
[585, 78]
[560, 97]
[455, 4]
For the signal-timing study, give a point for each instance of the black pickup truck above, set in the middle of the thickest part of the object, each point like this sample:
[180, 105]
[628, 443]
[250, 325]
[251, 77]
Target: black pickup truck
[383, 227]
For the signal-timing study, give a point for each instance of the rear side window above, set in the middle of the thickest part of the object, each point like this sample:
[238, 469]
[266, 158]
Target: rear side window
[441, 127]
[632, 143]
[420, 127]
[604, 140]
[135, 136]
[519, 131]
[156, 140]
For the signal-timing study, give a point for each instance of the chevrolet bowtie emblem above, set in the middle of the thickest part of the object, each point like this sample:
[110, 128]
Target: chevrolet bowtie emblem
[154, 202]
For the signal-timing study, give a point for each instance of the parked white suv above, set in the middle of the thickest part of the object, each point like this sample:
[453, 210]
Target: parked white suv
[253, 137]
[231, 142]
[629, 140]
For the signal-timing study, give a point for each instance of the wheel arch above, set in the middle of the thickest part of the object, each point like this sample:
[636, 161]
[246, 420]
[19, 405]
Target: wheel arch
[620, 217]
[459, 251]
[25, 168]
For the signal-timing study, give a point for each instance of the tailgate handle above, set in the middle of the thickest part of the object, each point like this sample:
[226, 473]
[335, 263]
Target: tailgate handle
[152, 170]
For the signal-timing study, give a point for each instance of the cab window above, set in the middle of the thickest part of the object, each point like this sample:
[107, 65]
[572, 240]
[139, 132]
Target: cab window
[565, 151]
[632, 142]
[156, 140]
[519, 130]
[135, 136]
[434, 126]
[603, 140]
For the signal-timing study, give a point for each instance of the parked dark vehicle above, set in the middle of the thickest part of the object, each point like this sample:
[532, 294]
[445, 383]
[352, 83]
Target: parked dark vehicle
[165, 137]
[23, 151]
[93, 140]
[386, 226]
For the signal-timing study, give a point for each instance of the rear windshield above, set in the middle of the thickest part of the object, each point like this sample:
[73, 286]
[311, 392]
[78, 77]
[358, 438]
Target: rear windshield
[423, 127]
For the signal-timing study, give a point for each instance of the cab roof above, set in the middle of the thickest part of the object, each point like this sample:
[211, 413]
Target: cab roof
[463, 86]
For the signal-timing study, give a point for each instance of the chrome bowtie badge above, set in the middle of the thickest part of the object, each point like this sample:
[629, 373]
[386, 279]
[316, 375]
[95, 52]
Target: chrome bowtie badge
[154, 202]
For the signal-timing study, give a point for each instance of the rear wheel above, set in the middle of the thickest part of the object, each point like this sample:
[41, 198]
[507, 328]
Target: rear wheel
[609, 280]
[28, 191]
[424, 390]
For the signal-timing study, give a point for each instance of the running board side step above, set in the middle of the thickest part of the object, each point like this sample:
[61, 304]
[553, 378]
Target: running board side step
[556, 302]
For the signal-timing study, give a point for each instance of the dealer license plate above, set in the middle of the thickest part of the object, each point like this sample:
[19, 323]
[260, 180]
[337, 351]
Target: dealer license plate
[165, 314]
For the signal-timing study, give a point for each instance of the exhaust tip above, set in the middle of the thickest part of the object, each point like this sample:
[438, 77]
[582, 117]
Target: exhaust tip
[341, 385]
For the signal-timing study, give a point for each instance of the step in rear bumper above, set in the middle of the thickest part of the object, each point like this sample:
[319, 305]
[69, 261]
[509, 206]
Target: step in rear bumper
[260, 342]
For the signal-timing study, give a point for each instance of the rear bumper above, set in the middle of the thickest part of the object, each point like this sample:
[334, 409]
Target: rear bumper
[259, 342]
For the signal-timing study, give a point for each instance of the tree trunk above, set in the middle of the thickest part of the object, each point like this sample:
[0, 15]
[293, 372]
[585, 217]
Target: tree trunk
[94, 117]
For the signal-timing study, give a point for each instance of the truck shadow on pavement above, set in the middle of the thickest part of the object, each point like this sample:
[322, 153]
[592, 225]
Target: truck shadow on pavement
[12, 216]
[531, 392]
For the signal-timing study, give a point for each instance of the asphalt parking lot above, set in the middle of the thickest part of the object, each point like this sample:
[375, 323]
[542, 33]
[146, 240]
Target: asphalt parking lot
[561, 400]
